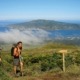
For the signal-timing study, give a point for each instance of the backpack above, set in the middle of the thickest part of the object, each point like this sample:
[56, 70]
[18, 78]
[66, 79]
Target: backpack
[12, 51]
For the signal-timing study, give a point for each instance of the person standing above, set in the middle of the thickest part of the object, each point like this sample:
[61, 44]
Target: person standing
[17, 59]
[0, 57]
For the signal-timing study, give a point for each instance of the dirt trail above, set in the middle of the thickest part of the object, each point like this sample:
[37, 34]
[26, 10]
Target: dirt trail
[50, 77]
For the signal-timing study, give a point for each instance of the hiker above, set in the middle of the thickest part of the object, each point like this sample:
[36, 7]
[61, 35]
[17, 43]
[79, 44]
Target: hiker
[17, 60]
[0, 60]
[0, 57]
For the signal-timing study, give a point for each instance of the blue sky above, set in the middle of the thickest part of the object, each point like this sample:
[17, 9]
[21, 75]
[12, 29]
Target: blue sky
[40, 9]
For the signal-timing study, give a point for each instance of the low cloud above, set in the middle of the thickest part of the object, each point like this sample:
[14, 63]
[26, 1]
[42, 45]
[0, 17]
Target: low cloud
[26, 36]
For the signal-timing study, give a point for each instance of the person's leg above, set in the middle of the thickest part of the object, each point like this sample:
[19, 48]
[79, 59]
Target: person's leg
[21, 68]
[15, 66]
[15, 69]
[0, 61]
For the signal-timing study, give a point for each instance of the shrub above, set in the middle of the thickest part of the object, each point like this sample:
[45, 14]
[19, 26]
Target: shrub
[77, 59]
[69, 60]
[3, 75]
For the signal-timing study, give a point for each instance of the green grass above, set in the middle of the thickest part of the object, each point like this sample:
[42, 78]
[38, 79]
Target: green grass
[4, 75]
[44, 63]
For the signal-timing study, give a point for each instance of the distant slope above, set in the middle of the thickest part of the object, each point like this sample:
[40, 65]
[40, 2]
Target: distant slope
[46, 25]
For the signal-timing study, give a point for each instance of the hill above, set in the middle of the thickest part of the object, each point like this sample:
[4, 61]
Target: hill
[46, 25]
[44, 63]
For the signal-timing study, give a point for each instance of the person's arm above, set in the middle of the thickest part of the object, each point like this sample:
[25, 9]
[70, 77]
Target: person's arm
[16, 52]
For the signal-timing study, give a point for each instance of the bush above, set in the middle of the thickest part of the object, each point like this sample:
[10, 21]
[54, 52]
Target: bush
[47, 62]
[77, 59]
[69, 60]
[3, 75]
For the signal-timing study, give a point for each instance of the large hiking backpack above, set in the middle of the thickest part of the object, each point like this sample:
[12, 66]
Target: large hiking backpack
[12, 51]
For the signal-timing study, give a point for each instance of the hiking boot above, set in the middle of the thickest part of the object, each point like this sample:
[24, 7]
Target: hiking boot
[21, 74]
[16, 75]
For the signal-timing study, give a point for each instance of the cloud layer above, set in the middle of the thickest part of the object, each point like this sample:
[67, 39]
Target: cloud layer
[26, 36]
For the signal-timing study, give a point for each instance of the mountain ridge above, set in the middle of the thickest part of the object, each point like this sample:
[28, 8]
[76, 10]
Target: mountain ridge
[45, 25]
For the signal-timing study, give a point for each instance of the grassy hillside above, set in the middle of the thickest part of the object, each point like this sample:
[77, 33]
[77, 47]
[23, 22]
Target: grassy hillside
[44, 63]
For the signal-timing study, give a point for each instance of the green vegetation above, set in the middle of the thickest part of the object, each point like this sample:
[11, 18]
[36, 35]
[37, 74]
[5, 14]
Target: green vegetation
[3, 75]
[46, 25]
[44, 63]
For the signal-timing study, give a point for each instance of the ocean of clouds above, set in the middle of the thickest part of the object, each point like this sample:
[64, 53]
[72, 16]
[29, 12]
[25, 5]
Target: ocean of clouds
[26, 36]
